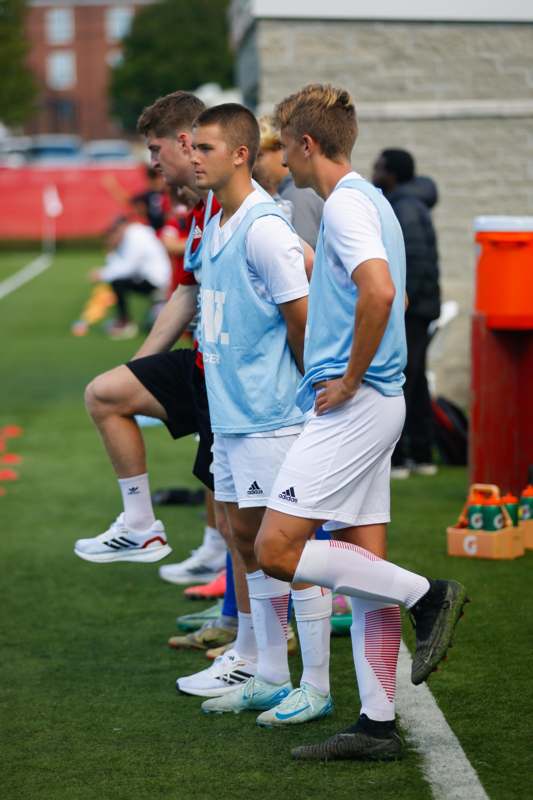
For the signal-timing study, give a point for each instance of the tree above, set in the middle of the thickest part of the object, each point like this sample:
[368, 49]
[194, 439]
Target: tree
[17, 87]
[173, 44]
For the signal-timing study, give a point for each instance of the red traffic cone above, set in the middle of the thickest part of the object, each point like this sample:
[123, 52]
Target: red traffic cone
[8, 475]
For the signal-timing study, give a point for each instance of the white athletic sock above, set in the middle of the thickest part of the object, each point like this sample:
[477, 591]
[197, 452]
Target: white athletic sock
[376, 632]
[312, 609]
[213, 540]
[349, 569]
[245, 644]
[138, 510]
[269, 601]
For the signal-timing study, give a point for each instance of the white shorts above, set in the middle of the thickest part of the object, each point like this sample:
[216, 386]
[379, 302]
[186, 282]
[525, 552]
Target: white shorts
[339, 468]
[245, 467]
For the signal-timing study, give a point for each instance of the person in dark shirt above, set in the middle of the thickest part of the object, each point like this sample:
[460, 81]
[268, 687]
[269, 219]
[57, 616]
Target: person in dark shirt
[412, 197]
[153, 202]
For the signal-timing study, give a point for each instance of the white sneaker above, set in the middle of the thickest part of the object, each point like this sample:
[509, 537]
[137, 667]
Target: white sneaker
[119, 543]
[202, 566]
[253, 695]
[301, 705]
[224, 675]
[424, 469]
[399, 473]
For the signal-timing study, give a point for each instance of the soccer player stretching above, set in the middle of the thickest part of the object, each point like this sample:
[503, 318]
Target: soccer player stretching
[339, 468]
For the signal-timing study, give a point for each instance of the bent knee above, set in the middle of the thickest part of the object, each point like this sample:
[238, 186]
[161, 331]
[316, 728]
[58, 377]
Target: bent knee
[101, 393]
[271, 558]
[92, 395]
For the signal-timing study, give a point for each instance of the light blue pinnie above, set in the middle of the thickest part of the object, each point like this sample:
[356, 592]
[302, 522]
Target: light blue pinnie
[332, 304]
[251, 374]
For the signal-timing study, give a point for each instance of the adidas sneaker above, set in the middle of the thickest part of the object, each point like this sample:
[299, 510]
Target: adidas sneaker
[203, 565]
[226, 672]
[119, 543]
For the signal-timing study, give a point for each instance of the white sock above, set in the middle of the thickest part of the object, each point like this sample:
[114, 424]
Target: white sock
[245, 644]
[269, 601]
[376, 632]
[138, 510]
[349, 569]
[213, 540]
[312, 609]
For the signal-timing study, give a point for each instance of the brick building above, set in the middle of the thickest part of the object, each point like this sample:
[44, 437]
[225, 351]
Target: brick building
[73, 45]
[451, 81]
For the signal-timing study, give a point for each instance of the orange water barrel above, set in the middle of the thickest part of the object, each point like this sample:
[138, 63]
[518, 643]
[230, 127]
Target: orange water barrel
[504, 274]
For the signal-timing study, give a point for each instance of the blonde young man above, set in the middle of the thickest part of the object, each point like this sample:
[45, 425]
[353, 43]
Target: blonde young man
[339, 468]
[303, 207]
[253, 312]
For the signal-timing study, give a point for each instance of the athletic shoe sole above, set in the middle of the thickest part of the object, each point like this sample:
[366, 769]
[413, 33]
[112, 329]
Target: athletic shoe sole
[290, 722]
[147, 556]
[183, 580]
[190, 642]
[188, 623]
[199, 595]
[206, 692]
[351, 747]
[424, 665]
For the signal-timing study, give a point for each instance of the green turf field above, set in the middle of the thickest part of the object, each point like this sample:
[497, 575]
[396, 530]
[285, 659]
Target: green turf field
[88, 705]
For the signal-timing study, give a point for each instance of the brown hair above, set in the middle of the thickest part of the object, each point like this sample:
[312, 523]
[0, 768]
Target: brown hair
[325, 113]
[270, 138]
[239, 125]
[169, 113]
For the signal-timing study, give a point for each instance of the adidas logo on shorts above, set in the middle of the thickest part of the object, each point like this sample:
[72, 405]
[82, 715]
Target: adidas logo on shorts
[289, 495]
[255, 489]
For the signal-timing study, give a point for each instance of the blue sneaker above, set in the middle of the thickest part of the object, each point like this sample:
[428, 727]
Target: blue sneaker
[301, 705]
[254, 695]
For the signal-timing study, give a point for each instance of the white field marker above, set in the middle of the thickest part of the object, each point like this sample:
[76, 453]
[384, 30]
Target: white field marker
[25, 274]
[446, 768]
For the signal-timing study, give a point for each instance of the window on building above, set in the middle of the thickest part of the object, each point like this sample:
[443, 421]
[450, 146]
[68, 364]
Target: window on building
[118, 22]
[61, 70]
[59, 25]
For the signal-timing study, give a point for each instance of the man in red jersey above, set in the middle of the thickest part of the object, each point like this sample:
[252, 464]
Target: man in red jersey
[158, 382]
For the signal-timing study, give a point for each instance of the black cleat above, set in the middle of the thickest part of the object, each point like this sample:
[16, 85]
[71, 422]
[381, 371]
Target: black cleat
[434, 618]
[364, 741]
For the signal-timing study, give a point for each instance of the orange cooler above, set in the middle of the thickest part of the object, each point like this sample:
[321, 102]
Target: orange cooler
[504, 281]
[501, 418]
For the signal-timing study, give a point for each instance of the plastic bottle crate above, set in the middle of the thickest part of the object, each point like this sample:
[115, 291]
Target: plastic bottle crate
[507, 543]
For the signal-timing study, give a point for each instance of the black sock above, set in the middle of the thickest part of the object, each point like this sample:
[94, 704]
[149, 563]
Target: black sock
[378, 729]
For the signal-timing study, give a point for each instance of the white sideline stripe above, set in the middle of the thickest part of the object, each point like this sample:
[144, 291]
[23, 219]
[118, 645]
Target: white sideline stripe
[25, 274]
[446, 768]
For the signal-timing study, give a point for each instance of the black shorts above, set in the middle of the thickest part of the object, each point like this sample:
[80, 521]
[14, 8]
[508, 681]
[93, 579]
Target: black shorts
[178, 384]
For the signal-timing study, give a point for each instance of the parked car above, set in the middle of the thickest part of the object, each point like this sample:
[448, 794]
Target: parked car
[109, 150]
[14, 150]
[55, 149]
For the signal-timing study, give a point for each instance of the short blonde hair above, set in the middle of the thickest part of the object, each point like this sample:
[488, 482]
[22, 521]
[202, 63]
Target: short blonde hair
[269, 134]
[325, 113]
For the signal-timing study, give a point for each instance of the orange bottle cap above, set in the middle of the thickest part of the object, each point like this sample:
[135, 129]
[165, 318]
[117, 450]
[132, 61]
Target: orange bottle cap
[509, 498]
[475, 499]
[528, 491]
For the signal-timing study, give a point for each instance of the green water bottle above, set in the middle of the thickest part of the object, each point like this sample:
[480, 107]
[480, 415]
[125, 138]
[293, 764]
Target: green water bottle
[526, 504]
[511, 504]
[492, 515]
[475, 512]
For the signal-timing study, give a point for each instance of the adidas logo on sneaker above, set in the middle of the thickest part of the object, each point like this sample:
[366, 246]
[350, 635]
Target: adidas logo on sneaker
[289, 495]
[255, 489]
